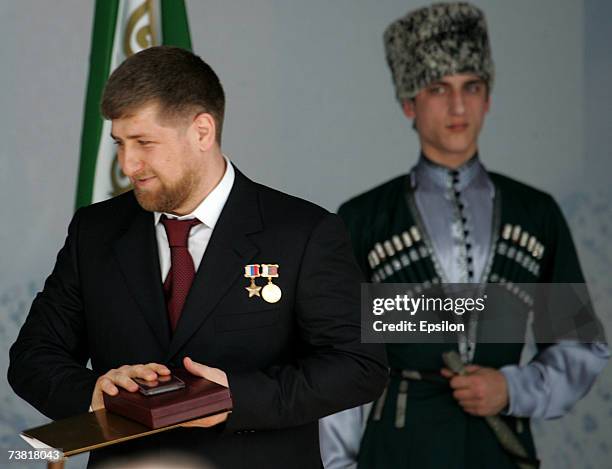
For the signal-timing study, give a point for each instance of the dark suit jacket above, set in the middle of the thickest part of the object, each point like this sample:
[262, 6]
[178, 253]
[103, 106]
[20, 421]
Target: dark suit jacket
[288, 363]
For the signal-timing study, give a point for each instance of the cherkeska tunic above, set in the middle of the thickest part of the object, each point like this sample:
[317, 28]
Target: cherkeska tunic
[500, 231]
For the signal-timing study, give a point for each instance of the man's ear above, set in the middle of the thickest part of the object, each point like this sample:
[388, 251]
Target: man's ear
[408, 106]
[205, 128]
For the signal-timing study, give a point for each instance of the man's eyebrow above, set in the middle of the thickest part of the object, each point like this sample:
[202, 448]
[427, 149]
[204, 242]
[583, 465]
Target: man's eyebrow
[128, 137]
[445, 83]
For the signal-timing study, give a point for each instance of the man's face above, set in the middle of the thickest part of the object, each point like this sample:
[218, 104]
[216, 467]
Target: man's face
[448, 115]
[160, 157]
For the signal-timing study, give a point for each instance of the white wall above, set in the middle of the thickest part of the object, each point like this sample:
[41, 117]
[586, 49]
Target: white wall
[311, 111]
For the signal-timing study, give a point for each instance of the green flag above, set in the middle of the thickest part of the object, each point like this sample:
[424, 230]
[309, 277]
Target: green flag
[121, 28]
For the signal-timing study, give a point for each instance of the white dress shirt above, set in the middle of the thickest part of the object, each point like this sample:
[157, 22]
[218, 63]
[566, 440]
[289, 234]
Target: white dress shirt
[207, 212]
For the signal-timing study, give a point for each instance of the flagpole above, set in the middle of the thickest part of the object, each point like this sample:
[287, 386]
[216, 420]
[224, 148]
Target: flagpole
[105, 19]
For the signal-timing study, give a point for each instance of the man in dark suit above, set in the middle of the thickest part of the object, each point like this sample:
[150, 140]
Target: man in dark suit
[155, 278]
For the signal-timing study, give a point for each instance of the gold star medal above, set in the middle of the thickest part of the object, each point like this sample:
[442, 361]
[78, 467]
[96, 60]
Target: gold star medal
[252, 271]
[270, 292]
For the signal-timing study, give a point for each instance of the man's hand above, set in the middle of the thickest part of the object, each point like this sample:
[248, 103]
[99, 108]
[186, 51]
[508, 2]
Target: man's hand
[212, 374]
[482, 392]
[206, 422]
[110, 382]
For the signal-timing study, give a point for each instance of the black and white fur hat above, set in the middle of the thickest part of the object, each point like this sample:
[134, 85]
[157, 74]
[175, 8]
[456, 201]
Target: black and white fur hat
[439, 40]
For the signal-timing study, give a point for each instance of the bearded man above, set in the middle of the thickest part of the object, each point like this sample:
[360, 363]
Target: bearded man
[154, 279]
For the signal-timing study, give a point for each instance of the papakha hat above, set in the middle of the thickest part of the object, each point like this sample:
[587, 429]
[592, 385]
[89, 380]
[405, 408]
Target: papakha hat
[432, 42]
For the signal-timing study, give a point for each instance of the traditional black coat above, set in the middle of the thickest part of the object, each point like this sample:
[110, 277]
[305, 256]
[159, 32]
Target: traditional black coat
[530, 243]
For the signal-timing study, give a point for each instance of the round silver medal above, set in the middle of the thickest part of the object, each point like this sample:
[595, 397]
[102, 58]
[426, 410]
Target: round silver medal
[271, 293]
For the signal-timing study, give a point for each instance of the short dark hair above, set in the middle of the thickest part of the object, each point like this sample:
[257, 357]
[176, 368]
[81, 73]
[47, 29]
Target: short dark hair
[180, 81]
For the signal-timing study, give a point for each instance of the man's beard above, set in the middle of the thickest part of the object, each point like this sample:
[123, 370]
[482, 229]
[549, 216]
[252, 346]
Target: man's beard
[167, 198]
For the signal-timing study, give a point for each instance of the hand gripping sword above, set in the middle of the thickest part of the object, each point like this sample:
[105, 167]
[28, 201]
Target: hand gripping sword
[504, 434]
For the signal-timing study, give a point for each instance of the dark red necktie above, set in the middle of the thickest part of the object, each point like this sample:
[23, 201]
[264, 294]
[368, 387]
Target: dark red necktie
[182, 271]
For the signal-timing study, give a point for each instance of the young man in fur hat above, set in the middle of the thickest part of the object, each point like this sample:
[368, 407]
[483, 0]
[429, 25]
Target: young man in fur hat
[450, 220]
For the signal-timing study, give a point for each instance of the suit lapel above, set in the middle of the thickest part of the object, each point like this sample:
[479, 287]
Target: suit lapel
[228, 251]
[137, 254]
